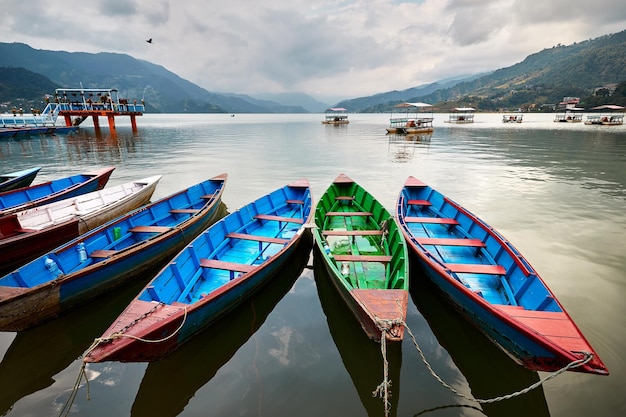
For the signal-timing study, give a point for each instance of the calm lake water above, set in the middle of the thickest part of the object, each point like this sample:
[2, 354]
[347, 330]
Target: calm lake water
[556, 191]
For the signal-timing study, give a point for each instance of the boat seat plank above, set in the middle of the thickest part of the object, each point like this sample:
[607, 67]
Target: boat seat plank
[419, 203]
[102, 253]
[278, 218]
[451, 241]
[228, 266]
[362, 258]
[207, 196]
[150, 229]
[344, 198]
[265, 239]
[184, 211]
[294, 201]
[434, 220]
[348, 213]
[477, 269]
[352, 232]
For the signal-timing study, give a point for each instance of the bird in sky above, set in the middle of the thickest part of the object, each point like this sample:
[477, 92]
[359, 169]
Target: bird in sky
[149, 40]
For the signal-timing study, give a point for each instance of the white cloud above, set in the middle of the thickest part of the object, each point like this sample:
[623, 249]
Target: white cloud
[332, 48]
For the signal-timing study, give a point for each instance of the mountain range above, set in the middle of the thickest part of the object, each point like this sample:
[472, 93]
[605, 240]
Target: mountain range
[543, 78]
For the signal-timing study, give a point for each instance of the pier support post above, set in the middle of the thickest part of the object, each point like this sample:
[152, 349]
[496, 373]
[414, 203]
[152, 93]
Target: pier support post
[133, 123]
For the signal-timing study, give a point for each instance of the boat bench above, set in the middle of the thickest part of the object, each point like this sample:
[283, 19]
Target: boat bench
[102, 253]
[294, 201]
[450, 242]
[477, 269]
[227, 266]
[279, 218]
[419, 203]
[344, 198]
[433, 220]
[348, 213]
[362, 258]
[207, 196]
[352, 233]
[260, 239]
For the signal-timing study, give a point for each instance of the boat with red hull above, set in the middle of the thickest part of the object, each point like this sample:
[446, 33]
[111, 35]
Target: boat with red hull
[491, 283]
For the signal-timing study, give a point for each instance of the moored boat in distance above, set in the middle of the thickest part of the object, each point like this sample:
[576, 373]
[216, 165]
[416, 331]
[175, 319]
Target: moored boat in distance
[572, 115]
[606, 115]
[512, 118]
[18, 179]
[109, 256]
[219, 270]
[461, 115]
[491, 283]
[27, 234]
[336, 116]
[365, 256]
[54, 190]
[411, 118]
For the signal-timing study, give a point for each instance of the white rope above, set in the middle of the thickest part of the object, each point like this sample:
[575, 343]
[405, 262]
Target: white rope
[382, 390]
[574, 364]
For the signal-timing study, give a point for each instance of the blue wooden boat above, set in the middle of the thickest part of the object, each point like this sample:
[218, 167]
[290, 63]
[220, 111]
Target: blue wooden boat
[219, 270]
[113, 254]
[491, 283]
[18, 179]
[55, 190]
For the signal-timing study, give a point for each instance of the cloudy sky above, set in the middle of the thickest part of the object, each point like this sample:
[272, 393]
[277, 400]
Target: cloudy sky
[329, 49]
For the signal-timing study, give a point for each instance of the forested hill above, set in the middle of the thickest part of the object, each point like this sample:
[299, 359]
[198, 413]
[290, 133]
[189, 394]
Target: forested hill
[542, 78]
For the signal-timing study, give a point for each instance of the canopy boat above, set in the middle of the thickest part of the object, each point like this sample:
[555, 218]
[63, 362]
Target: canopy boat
[18, 179]
[461, 115]
[28, 234]
[109, 256]
[488, 280]
[411, 118]
[365, 256]
[336, 116]
[51, 191]
[512, 118]
[571, 115]
[222, 268]
[607, 115]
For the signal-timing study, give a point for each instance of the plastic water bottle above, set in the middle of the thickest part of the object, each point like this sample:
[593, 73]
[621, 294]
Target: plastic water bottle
[53, 267]
[345, 269]
[326, 248]
[82, 251]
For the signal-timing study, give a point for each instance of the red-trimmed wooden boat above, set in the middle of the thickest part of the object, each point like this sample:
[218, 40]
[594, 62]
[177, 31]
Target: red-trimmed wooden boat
[491, 283]
[28, 234]
[220, 269]
[51, 191]
[18, 179]
[109, 256]
[365, 255]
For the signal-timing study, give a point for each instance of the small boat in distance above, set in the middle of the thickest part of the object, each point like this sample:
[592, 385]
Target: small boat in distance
[489, 281]
[571, 115]
[512, 118]
[116, 253]
[336, 116]
[54, 190]
[606, 115]
[365, 257]
[461, 115]
[411, 118]
[18, 179]
[28, 234]
[219, 270]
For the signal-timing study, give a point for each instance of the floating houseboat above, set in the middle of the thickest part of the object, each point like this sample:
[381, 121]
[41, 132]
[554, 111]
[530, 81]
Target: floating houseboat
[411, 118]
[461, 115]
[607, 115]
[573, 115]
[336, 116]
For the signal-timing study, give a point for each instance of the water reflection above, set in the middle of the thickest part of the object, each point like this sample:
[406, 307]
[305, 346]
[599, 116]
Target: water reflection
[38, 354]
[361, 356]
[402, 147]
[489, 371]
[194, 364]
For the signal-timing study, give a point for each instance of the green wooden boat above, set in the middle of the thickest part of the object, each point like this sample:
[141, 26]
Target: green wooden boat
[365, 256]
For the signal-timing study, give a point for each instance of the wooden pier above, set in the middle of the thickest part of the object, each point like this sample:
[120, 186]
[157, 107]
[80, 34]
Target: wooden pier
[77, 104]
